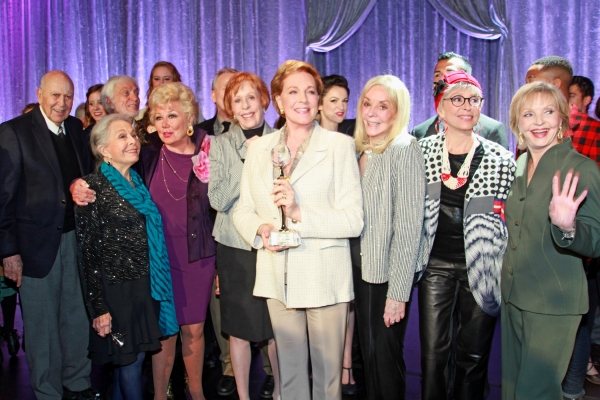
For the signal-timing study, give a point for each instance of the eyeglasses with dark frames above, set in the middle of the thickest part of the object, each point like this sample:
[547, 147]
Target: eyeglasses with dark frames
[458, 100]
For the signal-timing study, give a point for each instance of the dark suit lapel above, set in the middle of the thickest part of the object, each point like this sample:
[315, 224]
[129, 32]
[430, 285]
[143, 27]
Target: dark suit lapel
[431, 129]
[76, 137]
[41, 134]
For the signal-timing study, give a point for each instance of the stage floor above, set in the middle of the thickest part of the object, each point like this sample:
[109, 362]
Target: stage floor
[14, 374]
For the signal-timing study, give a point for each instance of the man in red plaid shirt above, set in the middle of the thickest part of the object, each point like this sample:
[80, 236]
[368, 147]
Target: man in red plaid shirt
[585, 131]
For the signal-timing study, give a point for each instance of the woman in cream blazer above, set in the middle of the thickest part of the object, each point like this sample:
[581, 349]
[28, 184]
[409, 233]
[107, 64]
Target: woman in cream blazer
[307, 287]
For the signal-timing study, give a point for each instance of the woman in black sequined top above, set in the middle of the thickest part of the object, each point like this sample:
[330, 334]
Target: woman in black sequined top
[115, 262]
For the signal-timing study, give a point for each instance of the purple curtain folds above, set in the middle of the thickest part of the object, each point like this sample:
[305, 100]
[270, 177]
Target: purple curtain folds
[485, 19]
[331, 23]
[94, 40]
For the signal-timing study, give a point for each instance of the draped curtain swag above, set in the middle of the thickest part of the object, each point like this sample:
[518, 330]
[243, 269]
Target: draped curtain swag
[331, 23]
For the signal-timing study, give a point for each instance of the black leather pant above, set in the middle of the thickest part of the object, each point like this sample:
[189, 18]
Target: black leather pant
[382, 348]
[443, 288]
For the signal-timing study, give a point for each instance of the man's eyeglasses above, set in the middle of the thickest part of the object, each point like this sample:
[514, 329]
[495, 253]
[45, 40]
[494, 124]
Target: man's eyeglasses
[459, 100]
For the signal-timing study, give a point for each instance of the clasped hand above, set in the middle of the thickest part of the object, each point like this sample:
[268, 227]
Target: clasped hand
[284, 196]
[81, 193]
[102, 324]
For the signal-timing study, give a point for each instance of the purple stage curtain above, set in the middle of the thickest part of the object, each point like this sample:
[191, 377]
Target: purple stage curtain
[404, 38]
[93, 40]
[486, 19]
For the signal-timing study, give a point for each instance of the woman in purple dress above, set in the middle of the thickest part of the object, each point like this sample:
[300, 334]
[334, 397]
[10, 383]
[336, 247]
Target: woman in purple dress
[176, 172]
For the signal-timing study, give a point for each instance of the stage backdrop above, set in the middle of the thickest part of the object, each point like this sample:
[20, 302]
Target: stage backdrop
[92, 40]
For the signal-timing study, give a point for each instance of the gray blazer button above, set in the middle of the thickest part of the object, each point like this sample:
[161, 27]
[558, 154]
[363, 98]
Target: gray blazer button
[194, 236]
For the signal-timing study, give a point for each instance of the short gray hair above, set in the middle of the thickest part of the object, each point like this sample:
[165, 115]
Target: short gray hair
[108, 91]
[226, 70]
[101, 133]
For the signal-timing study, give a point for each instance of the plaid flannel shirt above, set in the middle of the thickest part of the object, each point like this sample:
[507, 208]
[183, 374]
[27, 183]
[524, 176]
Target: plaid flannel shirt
[585, 134]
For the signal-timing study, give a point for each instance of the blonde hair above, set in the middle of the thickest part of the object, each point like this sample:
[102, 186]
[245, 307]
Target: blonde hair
[526, 94]
[169, 92]
[400, 98]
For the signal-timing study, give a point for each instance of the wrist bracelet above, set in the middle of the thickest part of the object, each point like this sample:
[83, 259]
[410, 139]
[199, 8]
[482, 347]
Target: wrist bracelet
[568, 235]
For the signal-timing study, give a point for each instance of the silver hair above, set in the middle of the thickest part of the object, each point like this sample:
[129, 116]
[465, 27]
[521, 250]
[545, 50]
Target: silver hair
[101, 133]
[108, 91]
[221, 72]
[462, 85]
[54, 72]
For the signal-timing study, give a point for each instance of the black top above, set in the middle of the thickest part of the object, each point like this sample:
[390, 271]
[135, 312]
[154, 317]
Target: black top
[112, 242]
[449, 242]
[254, 132]
[87, 133]
[69, 169]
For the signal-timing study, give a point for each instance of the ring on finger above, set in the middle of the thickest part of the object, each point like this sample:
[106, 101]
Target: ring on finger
[284, 195]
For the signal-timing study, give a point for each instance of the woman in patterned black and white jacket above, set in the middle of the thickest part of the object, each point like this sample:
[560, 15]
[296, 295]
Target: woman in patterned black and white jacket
[464, 239]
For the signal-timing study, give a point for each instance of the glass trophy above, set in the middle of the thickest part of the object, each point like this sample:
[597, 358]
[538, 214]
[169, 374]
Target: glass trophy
[118, 338]
[281, 156]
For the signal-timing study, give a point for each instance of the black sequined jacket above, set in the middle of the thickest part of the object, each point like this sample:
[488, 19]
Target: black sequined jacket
[112, 243]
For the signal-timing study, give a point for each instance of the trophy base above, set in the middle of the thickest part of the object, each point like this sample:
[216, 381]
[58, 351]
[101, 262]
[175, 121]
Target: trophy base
[286, 238]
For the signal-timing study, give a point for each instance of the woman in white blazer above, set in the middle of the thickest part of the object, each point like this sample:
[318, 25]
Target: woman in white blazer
[308, 287]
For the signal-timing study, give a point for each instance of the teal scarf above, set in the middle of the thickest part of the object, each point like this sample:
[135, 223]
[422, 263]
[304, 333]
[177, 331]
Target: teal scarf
[160, 271]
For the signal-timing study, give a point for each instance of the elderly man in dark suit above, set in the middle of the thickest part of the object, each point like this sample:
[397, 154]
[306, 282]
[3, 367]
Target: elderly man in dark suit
[490, 128]
[220, 122]
[41, 153]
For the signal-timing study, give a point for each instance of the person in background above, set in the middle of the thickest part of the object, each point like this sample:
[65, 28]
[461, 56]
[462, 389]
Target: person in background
[307, 287]
[550, 227]
[581, 93]
[29, 107]
[80, 112]
[94, 110]
[488, 128]
[385, 257]
[217, 125]
[121, 95]
[162, 72]
[464, 239]
[123, 260]
[220, 123]
[244, 318]
[333, 105]
[8, 303]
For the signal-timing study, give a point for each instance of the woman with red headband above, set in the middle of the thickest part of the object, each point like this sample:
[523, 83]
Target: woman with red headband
[464, 239]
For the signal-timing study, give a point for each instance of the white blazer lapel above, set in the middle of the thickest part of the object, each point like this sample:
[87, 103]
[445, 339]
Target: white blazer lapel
[315, 152]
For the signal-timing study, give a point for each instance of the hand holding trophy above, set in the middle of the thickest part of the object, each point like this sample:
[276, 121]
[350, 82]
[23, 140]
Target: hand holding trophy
[281, 156]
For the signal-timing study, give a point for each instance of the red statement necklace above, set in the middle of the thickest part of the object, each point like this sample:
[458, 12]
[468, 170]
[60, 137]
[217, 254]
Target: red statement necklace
[450, 181]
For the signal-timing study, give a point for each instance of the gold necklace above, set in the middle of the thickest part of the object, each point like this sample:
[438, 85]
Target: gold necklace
[172, 169]
[163, 158]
